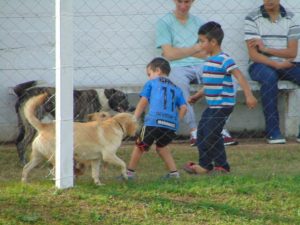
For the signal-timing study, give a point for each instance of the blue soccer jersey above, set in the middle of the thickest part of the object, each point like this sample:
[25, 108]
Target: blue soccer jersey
[217, 79]
[164, 99]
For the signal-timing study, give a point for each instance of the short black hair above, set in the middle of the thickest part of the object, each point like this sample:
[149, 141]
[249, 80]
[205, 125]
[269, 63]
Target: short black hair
[161, 64]
[212, 30]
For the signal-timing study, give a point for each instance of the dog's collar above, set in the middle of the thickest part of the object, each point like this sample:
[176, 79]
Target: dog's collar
[121, 127]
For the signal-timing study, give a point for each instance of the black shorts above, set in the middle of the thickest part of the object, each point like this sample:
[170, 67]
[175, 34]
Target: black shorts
[148, 135]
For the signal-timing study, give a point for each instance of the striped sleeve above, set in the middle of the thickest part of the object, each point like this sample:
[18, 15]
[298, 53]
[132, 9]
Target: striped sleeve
[229, 64]
[294, 29]
[250, 28]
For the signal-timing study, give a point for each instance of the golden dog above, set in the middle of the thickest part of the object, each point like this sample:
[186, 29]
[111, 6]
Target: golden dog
[91, 140]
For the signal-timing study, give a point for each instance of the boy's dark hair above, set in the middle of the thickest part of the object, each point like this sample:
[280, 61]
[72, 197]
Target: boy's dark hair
[212, 30]
[161, 64]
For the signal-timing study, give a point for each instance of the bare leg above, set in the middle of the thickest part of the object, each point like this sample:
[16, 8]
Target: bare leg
[135, 158]
[167, 157]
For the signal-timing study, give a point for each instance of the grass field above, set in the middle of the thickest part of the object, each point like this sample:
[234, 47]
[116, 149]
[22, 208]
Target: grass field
[263, 188]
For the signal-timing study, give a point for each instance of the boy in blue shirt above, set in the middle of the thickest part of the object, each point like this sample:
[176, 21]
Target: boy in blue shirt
[166, 106]
[219, 93]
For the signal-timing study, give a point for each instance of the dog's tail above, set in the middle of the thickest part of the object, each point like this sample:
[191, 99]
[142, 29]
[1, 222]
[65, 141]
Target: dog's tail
[20, 89]
[30, 109]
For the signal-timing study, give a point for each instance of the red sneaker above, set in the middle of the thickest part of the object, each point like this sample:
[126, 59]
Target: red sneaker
[229, 141]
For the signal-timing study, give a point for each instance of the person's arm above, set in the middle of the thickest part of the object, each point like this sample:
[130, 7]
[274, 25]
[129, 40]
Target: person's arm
[258, 57]
[182, 111]
[194, 98]
[288, 53]
[141, 106]
[202, 55]
[172, 53]
[250, 99]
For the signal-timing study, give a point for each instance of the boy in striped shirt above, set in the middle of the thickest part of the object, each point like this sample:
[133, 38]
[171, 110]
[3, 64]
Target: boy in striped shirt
[219, 93]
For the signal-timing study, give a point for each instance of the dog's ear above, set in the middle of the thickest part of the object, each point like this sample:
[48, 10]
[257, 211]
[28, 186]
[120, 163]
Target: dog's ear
[98, 116]
[92, 117]
[109, 92]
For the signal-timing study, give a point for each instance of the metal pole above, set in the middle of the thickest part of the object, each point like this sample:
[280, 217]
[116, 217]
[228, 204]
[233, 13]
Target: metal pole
[64, 94]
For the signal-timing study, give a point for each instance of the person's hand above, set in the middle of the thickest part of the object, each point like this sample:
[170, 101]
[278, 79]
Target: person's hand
[257, 44]
[284, 65]
[193, 99]
[197, 48]
[260, 46]
[251, 101]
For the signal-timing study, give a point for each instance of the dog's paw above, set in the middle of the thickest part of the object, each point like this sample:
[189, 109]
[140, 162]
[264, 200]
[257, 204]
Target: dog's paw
[98, 182]
[125, 177]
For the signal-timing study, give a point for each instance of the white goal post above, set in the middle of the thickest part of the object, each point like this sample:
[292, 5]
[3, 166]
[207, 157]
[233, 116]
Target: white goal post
[64, 93]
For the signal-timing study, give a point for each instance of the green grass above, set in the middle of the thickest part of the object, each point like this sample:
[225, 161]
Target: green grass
[263, 188]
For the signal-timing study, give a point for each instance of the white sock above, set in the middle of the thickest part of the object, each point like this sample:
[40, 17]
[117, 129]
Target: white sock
[226, 133]
[194, 134]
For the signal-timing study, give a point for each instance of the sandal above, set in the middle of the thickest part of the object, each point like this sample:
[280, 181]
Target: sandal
[188, 167]
[194, 168]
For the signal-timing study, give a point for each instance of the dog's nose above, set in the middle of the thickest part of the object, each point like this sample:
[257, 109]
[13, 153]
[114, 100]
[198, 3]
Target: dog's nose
[120, 109]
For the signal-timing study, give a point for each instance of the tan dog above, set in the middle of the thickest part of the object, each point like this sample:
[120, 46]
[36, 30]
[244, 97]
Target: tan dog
[79, 168]
[91, 140]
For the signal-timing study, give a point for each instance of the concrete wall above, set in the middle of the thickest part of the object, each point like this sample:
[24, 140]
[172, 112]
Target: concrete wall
[113, 41]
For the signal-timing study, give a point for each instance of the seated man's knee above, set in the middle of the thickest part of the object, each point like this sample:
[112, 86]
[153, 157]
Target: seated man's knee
[264, 74]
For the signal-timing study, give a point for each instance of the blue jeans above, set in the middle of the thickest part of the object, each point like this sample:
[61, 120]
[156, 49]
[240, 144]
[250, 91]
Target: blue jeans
[210, 141]
[268, 78]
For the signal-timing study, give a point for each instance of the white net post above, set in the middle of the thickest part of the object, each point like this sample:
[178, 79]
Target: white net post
[64, 94]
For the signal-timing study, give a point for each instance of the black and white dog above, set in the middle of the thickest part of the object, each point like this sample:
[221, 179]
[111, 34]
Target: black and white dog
[85, 102]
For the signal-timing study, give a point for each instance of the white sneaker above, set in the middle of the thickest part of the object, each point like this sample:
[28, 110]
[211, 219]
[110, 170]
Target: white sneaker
[225, 133]
[279, 139]
[173, 175]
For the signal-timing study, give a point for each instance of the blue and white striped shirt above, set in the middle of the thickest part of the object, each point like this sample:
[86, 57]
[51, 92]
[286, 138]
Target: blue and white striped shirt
[217, 79]
[274, 34]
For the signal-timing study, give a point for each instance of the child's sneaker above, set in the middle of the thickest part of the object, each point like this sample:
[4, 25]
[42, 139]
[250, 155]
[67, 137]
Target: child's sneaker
[131, 175]
[173, 175]
[228, 140]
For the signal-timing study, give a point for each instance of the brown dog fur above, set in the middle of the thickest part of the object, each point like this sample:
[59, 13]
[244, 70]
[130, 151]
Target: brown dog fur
[91, 140]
